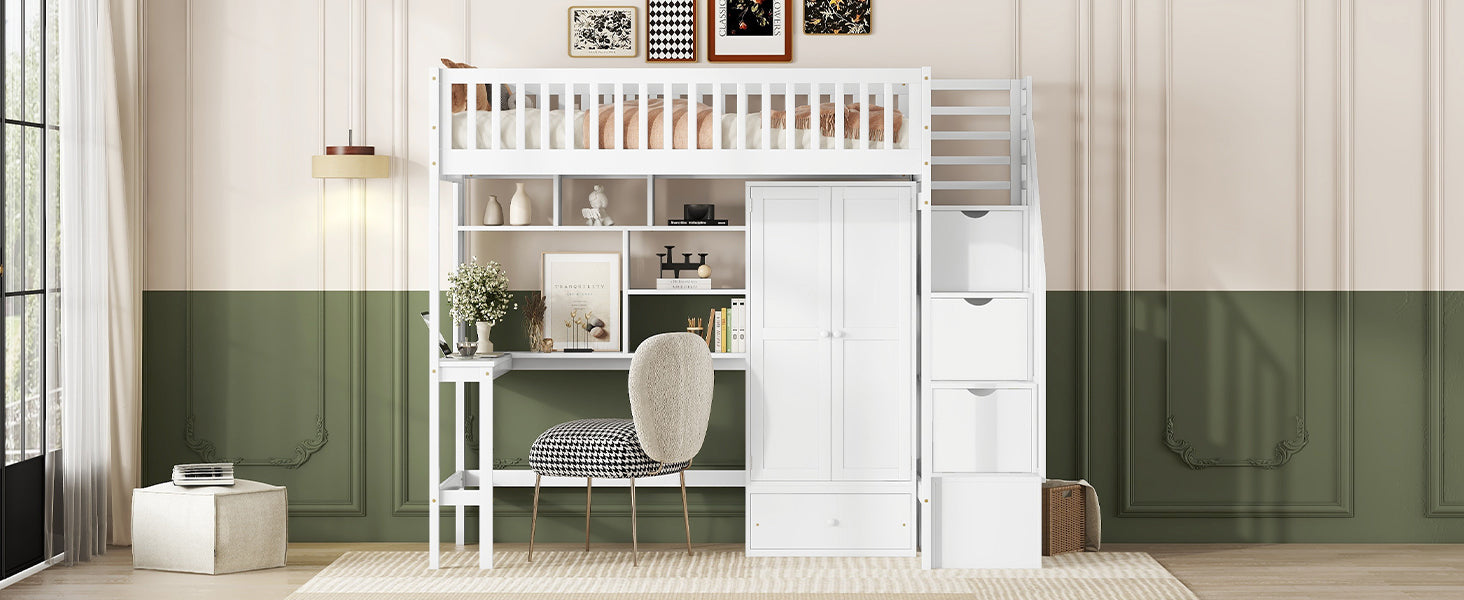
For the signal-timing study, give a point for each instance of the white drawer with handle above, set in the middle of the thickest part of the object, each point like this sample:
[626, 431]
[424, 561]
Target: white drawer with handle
[815, 524]
[978, 250]
[981, 339]
[983, 430]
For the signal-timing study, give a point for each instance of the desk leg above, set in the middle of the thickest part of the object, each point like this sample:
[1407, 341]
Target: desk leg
[485, 467]
[459, 434]
[434, 508]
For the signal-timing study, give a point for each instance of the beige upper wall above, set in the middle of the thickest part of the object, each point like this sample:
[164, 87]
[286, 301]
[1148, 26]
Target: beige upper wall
[1185, 144]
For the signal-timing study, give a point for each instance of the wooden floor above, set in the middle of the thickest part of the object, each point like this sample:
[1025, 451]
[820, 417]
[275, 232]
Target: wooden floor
[1296, 571]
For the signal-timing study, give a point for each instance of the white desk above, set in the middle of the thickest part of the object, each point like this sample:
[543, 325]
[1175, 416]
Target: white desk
[465, 487]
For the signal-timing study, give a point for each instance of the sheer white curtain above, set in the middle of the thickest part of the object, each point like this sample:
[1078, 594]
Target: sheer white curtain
[100, 274]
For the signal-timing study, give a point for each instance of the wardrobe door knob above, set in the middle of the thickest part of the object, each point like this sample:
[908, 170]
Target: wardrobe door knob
[839, 333]
[823, 334]
[833, 522]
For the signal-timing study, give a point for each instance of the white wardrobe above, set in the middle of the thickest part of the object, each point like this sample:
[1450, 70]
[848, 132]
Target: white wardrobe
[831, 371]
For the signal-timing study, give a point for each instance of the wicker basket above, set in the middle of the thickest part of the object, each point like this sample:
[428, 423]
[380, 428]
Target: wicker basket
[1064, 519]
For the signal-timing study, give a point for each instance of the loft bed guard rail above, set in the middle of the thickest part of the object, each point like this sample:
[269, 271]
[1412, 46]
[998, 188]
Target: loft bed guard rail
[732, 121]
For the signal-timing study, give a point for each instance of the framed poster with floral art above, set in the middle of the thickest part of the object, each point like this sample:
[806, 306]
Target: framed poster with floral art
[582, 300]
[602, 31]
[749, 31]
[837, 17]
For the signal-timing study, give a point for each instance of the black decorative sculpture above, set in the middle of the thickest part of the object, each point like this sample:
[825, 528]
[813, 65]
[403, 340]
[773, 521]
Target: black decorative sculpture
[667, 264]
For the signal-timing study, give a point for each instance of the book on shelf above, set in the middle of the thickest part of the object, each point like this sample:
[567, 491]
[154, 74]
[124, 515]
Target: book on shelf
[739, 325]
[683, 284]
[193, 474]
[691, 223]
[727, 327]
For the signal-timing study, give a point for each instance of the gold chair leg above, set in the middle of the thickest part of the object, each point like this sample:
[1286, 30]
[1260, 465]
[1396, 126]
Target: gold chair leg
[685, 516]
[634, 544]
[534, 520]
[589, 482]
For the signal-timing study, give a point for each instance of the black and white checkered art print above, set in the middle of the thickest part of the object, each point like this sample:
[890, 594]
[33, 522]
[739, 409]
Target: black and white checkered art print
[671, 30]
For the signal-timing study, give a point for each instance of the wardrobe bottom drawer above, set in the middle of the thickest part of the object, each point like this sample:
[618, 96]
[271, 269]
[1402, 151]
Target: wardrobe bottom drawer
[831, 523]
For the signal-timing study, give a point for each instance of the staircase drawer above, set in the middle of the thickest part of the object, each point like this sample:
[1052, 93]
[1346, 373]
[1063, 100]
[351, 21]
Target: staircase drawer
[978, 250]
[983, 430]
[982, 339]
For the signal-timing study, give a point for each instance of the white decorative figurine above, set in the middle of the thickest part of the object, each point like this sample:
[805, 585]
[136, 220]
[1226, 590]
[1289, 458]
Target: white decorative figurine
[597, 215]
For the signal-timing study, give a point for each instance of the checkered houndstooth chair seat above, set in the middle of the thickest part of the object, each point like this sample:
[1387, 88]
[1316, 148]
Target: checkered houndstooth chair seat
[607, 448]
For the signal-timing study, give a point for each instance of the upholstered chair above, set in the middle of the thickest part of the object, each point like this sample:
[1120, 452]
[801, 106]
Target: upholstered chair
[670, 403]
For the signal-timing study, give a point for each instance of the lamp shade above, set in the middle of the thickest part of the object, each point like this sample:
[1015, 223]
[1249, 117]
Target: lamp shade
[350, 162]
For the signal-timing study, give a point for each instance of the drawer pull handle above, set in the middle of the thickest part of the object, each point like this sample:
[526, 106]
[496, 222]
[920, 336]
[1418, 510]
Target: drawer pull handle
[980, 392]
[978, 301]
[975, 214]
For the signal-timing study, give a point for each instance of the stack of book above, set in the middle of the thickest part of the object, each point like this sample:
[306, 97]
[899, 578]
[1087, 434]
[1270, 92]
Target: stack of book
[666, 283]
[697, 223]
[203, 474]
[727, 327]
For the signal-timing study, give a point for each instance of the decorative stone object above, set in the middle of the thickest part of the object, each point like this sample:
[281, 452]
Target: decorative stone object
[704, 271]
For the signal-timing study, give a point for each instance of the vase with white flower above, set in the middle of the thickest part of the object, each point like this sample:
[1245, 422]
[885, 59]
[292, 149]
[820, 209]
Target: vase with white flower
[479, 295]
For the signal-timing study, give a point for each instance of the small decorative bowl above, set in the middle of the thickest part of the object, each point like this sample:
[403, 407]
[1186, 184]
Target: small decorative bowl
[467, 348]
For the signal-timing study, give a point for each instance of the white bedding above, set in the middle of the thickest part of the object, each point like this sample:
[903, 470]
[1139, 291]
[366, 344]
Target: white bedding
[749, 126]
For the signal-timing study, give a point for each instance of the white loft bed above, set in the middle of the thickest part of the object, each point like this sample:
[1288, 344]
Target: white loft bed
[736, 98]
[958, 168]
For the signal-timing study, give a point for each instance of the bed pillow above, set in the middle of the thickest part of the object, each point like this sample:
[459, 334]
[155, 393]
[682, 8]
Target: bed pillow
[460, 94]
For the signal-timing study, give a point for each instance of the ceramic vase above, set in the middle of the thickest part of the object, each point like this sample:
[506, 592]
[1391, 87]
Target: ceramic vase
[484, 329]
[520, 207]
[493, 214]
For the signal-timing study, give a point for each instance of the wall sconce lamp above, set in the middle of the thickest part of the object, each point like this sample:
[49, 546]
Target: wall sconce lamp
[350, 162]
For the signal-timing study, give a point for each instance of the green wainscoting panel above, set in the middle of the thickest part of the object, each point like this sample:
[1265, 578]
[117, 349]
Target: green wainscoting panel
[254, 369]
[1199, 416]
[1235, 370]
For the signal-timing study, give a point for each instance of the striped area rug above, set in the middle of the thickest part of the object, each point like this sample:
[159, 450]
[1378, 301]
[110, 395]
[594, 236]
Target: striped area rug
[728, 574]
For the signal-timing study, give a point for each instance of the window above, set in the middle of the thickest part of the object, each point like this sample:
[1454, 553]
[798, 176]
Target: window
[31, 229]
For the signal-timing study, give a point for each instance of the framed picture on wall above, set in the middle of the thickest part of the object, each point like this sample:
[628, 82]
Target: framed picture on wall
[837, 17]
[582, 298]
[670, 30]
[601, 31]
[749, 31]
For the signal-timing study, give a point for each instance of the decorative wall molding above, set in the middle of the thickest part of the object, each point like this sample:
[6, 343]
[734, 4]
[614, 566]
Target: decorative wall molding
[298, 455]
[1283, 450]
[1440, 304]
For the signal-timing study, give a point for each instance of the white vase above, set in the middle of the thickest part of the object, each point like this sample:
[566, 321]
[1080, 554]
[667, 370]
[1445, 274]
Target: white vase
[520, 208]
[484, 329]
[493, 214]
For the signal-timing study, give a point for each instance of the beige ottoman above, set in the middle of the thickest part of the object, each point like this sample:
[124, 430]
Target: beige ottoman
[209, 529]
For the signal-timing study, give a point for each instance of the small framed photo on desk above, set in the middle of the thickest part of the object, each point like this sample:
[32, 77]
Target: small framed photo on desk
[582, 296]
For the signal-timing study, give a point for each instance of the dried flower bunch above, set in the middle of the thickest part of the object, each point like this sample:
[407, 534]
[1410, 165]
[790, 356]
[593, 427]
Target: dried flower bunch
[479, 292]
[534, 309]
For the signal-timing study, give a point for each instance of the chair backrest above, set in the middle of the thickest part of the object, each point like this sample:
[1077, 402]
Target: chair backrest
[671, 395]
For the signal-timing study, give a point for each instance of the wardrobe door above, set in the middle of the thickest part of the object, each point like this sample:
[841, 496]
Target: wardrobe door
[874, 317]
[789, 370]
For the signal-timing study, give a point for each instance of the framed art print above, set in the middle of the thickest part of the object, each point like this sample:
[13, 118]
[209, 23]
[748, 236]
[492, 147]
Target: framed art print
[582, 300]
[749, 31]
[837, 17]
[601, 31]
[670, 30]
